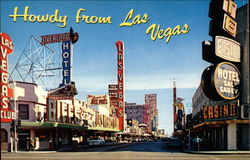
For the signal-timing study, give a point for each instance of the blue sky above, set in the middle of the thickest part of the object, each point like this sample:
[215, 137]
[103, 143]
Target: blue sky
[150, 66]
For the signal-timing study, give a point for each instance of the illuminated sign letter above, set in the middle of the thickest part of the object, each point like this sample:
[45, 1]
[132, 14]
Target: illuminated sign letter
[229, 25]
[66, 62]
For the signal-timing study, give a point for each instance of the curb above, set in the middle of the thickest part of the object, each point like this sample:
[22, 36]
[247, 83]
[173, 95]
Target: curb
[29, 152]
[217, 152]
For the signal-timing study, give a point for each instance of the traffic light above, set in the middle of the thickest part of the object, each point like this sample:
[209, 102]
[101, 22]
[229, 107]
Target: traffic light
[189, 123]
[19, 123]
[129, 122]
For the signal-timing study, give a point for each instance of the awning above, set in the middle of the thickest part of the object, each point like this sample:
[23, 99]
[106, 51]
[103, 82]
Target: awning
[221, 122]
[47, 125]
[103, 129]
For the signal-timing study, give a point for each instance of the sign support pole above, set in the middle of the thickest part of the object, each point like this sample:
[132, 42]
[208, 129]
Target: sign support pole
[11, 144]
[15, 138]
[15, 128]
[189, 140]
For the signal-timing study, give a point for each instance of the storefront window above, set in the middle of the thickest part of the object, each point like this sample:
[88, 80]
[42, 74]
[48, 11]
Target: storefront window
[23, 111]
[43, 135]
[52, 114]
[4, 135]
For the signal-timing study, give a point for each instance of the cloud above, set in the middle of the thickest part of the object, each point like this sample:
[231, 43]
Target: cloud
[139, 82]
[162, 81]
[93, 83]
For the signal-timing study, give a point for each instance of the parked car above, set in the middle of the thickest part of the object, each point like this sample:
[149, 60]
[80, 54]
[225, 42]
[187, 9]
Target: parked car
[175, 143]
[164, 139]
[96, 141]
[134, 139]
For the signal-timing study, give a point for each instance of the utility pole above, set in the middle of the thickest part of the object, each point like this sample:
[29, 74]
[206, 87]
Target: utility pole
[174, 106]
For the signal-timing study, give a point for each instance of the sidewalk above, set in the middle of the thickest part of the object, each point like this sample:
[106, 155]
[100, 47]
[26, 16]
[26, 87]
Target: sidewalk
[6, 152]
[217, 152]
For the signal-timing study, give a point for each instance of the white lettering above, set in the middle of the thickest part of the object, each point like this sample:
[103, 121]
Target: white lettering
[120, 95]
[65, 73]
[65, 55]
[5, 102]
[4, 66]
[65, 45]
[66, 63]
[4, 78]
[120, 77]
[228, 75]
[4, 52]
[120, 57]
[120, 87]
[4, 90]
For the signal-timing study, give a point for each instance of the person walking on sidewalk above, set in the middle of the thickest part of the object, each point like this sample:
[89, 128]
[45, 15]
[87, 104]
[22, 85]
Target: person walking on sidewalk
[32, 145]
[28, 143]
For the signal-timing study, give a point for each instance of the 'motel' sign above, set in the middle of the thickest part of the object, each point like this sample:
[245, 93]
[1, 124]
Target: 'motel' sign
[66, 62]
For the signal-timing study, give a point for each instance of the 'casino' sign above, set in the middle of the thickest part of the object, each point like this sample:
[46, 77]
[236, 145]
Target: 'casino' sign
[223, 111]
[221, 81]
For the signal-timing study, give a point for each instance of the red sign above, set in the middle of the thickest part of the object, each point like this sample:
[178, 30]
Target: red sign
[61, 97]
[98, 99]
[6, 48]
[120, 91]
[54, 38]
[223, 111]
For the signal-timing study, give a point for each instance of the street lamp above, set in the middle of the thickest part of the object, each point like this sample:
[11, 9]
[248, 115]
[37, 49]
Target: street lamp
[14, 122]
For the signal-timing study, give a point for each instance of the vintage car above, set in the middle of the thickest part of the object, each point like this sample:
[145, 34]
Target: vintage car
[174, 142]
[96, 141]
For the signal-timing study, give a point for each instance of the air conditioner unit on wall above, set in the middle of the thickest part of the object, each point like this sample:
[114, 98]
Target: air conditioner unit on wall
[245, 111]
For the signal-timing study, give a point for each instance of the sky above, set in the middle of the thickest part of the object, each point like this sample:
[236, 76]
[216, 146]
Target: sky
[150, 65]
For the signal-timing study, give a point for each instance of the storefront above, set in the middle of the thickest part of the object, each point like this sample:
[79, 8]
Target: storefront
[49, 135]
[223, 135]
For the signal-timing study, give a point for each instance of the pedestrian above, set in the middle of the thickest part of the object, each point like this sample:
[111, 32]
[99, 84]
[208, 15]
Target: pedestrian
[60, 142]
[50, 144]
[28, 143]
[32, 144]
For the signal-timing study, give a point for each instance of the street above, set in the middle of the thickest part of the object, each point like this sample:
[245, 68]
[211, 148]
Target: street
[134, 151]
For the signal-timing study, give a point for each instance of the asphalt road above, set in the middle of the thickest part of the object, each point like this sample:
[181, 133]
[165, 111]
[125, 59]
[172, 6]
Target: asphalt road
[134, 151]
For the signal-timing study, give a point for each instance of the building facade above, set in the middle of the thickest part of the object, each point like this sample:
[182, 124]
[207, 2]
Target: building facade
[31, 105]
[151, 102]
[146, 114]
[225, 124]
[53, 123]
[135, 112]
[100, 103]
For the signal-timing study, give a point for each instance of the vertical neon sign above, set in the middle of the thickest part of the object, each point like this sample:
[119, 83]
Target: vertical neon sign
[6, 114]
[66, 62]
[120, 73]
